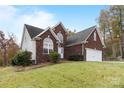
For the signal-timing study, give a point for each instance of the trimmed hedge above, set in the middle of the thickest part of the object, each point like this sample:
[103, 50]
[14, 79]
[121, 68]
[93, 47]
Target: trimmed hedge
[76, 58]
[22, 58]
[55, 57]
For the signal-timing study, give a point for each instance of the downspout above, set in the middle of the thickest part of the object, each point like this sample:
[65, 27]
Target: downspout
[82, 48]
[83, 51]
[35, 52]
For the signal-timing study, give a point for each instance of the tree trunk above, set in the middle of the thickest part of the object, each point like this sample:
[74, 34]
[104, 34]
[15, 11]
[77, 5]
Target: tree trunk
[113, 51]
[112, 46]
[104, 38]
[120, 48]
[4, 57]
[122, 45]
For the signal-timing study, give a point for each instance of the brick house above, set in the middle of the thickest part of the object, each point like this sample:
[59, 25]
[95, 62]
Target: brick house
[41, 42]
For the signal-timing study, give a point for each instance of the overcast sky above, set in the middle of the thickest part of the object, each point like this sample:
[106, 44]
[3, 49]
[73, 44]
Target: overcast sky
[13, 18]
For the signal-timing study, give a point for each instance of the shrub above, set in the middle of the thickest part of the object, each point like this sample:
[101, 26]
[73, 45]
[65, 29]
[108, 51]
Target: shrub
[22, 58]
[76, 57]
[55, 57]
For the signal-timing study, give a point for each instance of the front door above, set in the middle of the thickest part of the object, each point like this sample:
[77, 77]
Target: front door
[61, 52]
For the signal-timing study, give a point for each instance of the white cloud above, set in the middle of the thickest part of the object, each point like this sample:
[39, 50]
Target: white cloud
[39, 18]
[11, 20]
[7, 12]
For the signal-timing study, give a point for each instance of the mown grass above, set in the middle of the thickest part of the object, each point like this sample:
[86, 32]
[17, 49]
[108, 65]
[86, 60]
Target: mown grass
[66, 75]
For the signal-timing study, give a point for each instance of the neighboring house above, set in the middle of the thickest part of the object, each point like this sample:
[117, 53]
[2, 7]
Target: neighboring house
[41, 42]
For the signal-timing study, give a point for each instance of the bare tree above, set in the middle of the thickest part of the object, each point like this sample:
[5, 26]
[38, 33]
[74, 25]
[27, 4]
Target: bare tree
[4, 43]
[105, 27]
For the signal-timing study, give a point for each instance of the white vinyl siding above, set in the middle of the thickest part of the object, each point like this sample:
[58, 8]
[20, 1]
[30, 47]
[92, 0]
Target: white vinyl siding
[28, 44]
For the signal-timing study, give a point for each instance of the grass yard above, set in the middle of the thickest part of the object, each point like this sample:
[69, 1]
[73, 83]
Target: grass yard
[66, 75]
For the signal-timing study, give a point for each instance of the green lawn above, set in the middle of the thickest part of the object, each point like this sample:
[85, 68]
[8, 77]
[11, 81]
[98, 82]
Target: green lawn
[66, 75]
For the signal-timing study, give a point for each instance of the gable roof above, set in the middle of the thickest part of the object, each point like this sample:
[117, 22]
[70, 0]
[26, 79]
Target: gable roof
[52, 31]
[59, 23]
[47, 29]
[33, 31]
[79, 37]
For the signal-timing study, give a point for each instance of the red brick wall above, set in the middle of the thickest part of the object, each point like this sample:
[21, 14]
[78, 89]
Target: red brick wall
[40, 57]
[76, 49]
[94, 44]
[58, 29]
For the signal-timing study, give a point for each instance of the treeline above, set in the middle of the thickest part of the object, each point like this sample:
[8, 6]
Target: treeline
[8, 48]
[111, 24]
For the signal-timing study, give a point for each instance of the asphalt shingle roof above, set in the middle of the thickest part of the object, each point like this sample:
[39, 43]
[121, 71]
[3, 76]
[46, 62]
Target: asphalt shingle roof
[33, 31]
[79, 36]
[71, 40]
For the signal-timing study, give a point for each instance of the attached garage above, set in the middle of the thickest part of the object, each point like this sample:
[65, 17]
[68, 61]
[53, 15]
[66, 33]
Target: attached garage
[93, 55]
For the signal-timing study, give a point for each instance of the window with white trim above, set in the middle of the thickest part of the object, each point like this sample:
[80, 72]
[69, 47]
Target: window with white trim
[94, 36]
[60, 36]
[47, 45]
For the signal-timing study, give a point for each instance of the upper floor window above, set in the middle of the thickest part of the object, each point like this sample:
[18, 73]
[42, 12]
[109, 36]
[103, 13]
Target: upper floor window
[94, 36]
[60, 36]
[47, 45]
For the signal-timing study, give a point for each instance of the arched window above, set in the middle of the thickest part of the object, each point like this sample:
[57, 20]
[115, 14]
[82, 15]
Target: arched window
[47, 45]
[60, 36]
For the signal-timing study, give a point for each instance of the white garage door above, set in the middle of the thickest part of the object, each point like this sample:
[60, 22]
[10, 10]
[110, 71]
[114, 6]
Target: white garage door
[93, 55]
